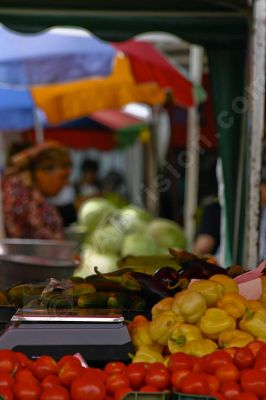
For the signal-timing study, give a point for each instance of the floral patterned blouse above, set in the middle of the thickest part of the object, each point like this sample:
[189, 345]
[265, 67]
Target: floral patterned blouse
[27, 213]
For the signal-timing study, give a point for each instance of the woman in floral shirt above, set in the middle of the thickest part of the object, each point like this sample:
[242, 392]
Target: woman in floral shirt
[36, 174]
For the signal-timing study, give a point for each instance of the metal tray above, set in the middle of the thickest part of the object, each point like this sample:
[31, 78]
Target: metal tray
[23, 260]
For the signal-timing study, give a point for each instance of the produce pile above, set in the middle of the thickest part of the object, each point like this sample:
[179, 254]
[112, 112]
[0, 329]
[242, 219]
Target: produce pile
[238, 374]
[113, 232]
[138, 284]
[210, 314]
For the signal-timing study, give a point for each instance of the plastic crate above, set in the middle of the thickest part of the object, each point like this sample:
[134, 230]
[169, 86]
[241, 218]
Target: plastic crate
[181, 396]
[147, 396]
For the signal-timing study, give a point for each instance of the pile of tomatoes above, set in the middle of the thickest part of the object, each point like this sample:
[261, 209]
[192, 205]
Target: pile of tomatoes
[234, 374]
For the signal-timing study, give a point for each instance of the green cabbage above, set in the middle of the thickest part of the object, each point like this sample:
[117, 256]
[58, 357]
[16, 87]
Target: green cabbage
[92, 211]
[90, 259]
[139, 244]
[130, 219]
[167, 234]
[108, 239]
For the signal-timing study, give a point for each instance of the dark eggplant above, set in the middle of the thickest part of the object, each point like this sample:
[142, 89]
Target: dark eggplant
[188, 260]
[167, 276]
[151, 289]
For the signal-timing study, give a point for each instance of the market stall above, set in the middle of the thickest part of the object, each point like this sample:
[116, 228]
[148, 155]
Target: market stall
[197, 330]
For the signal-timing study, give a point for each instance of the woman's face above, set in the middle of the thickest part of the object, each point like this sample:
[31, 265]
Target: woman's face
[52, 178]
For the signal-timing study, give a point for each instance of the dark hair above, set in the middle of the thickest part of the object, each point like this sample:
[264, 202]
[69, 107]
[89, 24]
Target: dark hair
[15, 148]
[50, 158]
[89, 165]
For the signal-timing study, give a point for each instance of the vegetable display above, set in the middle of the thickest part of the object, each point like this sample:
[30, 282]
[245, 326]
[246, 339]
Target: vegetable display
[208, 316]
[236, 375]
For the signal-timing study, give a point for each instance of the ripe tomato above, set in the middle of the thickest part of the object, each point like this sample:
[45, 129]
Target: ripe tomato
[8, 362]
[213, 384]
[254, 381]
[68, 372]
[244, 358]
[158, 376]
[120, 393]
[43, 366]
[216, 359]
[227, 373]
[177, 377]
[149, 389]
[136, 373]
[116, 381]
[198, 364]
[180, 361]
[50, 381]
[218, 396]
[87, 387]
[6, 394]
[260, 364]
[27, 391]
[55, 393]
[246, 396]
[66, 359]
[25, 375]
[23, 359]
[195, 383]
[230, 390]
[115, 367]
[6, 380]
[256, 346]
[96, 372]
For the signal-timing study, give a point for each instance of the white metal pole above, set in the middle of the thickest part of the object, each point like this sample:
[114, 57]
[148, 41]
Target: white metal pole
[257, 98]
[38, 127]
[193, 133]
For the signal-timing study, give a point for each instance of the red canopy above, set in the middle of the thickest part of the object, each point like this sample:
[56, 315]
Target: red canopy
[149, 65]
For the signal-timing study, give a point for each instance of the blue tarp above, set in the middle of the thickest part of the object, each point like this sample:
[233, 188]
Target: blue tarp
[16, 109]
[56, 55]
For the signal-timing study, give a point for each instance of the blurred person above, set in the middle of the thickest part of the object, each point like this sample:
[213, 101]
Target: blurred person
[33, 176]
[114, 189]
[209, 227]
[88, 186]
[208, 236]
[65, 204]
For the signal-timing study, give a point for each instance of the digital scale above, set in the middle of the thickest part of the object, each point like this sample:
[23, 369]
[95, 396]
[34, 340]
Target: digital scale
[99, 335]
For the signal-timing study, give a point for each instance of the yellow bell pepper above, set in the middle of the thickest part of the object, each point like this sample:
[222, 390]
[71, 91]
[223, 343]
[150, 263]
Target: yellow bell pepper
[234, 338]
[181, 335]
[214, 321]
[210, 290]
[163, 305]
[140, 335]
[191, 305]
[147, 354]
[230, 286]
[254, 322]
[234, 304]
[254, 305]
[161, 327]
[200, 347]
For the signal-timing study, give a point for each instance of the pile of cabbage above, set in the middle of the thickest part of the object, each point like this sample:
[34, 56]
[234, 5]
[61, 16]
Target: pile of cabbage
[112, 233]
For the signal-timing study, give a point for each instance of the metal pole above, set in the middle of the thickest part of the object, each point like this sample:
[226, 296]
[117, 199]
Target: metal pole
[257, 98]
[38, 127]
[192, 170]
